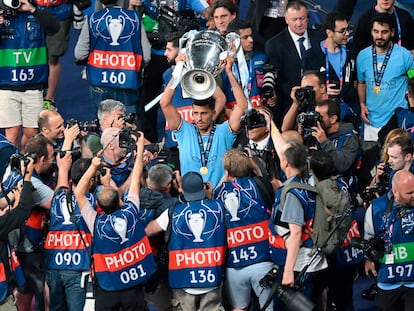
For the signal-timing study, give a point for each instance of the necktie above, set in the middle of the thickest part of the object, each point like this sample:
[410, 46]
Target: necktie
[302, 47]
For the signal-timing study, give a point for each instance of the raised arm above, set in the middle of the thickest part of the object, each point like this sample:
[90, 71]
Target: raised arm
[241, 100]
[136, 173]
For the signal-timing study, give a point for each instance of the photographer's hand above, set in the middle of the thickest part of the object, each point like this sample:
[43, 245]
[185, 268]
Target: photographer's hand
[370, 268]
[64, 164]
[319, 133]
[26, 6]
[70, 134]
[27, 170]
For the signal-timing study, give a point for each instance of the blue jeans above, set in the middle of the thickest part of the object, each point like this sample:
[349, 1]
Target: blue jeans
[129, 97]
[65, 291]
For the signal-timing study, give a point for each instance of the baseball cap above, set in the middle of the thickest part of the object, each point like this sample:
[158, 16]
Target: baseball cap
[193, 187]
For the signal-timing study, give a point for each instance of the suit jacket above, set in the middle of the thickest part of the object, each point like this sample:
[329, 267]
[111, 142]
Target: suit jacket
[282, 54]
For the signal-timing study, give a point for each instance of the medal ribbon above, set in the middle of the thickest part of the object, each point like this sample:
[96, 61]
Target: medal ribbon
[378, 75]
[205, 152]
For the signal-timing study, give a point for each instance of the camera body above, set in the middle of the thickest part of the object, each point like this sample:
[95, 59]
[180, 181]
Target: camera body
[125, 138]
[179, 21]
[373, 248]
[308, 119]
[10, 7]
[269, 81]
[129, 118]
[379, 188]
[290, 297]
[86, 126]
[305, 94]
[15, 160]
[253, 119]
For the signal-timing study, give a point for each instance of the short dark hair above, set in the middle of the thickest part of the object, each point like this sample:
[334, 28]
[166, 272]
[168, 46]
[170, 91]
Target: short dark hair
[238, 24]
[78, 169]
[227, 4]
[383, 18]
[316, 73]
[322, 164]
[210, 102]
[38, 145]
[297, 155]
[334, 108]
[331, 18]
[174, 38]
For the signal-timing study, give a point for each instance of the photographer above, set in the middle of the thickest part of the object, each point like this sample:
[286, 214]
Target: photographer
[194, 227]
[389, 219]
[67, 138]
[121, 251]
[254, 138]
[117, 79]
[312, 88]
[30, 242]
[111, 113]
[11, 219]
[338, 139]
[25, 69]
[118, 155]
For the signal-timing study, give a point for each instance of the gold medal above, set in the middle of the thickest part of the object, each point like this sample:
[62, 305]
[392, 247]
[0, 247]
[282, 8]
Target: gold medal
[377, 89]
[203, 170]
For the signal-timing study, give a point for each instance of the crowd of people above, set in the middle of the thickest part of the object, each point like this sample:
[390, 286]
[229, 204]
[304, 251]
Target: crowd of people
[204, 198]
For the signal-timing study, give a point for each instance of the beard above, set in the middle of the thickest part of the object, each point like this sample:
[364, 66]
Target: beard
[382, 43]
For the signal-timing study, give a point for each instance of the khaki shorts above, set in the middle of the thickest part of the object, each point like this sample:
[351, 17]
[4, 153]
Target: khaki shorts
[9, 304]
[57, 45]
[20, 108]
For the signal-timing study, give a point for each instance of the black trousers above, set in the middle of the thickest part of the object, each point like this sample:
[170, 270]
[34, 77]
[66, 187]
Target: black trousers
[131, 299]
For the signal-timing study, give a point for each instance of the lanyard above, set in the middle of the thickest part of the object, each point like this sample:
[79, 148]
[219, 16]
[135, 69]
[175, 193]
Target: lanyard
[397, 21]
[204, 152]
[341, 64]
[378, 75]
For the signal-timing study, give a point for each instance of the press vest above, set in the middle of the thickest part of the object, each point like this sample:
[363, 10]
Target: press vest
[400, 269]
[64, 248]
[121, 250]
[246, 222]
[115, 58]
[278, 249]
[197, 245]
[17, 271]
[23, 54]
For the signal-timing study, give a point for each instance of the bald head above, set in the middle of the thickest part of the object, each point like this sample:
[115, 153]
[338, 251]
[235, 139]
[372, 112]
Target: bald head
[403, 188]
[110, 135]
[108, 199]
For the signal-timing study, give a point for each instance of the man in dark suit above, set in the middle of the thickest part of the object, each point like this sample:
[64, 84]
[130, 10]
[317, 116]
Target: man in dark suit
[285, 50]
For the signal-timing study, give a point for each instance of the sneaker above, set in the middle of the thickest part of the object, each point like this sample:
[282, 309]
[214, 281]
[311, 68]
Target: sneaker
[49, 104]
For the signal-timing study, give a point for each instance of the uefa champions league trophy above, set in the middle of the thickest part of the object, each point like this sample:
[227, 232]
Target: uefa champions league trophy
[196, 223]
[115, 27]
[120, 227]
[231, 203]
[65, 212]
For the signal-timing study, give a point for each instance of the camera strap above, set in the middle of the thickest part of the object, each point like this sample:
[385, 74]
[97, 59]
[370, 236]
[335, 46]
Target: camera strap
[388, 227]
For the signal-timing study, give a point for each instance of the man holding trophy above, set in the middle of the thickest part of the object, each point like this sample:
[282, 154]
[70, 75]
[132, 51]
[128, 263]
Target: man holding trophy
[203, 144]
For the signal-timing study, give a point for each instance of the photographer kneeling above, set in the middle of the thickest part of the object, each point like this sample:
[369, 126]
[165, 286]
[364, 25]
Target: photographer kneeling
[389, 219]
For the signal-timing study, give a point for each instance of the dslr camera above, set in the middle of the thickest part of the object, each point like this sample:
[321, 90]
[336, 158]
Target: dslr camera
[86, 126]
[16, 158]
[291, 298]
[373, 248]
[253, 119]
[9, 7]
[129, 118]
[125, 138]
[379, 188]
[308, 119]
[269, 81]
[306, 96]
